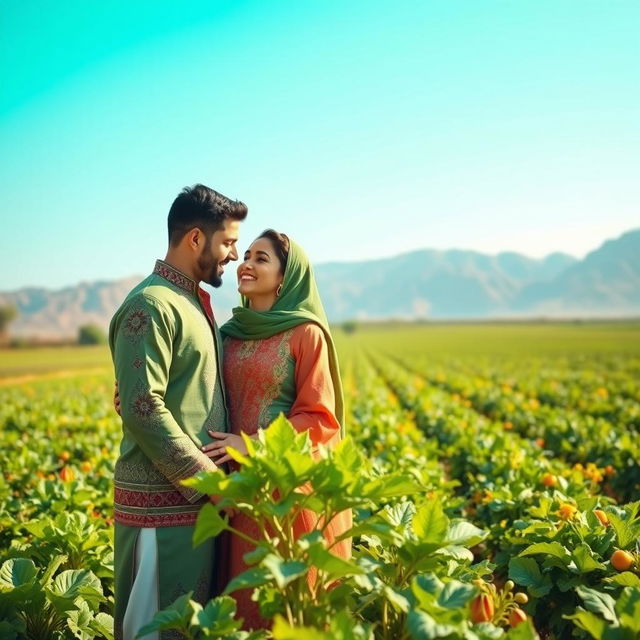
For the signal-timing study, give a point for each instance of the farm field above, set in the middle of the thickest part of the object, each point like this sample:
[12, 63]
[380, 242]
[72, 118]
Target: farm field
[493, 470]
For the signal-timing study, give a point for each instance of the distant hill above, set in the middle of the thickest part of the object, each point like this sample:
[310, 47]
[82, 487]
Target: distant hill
[453, 284]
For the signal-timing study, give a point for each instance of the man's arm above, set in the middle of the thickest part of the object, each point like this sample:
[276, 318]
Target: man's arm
[142, 345]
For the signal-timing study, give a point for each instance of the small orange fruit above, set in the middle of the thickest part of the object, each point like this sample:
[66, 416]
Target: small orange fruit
[549, 480]
[86, 467]
[621, 560]
[65, 456]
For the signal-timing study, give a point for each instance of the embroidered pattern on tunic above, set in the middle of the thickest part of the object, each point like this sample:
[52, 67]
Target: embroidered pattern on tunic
[138, 473]
[136, 324]
[174, 276]
[254, 371]
[143, 405]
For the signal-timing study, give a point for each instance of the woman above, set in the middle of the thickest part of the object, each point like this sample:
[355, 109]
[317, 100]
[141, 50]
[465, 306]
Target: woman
[278, 357]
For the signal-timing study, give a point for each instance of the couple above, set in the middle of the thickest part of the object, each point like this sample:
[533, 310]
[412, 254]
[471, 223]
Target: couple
[187, 390]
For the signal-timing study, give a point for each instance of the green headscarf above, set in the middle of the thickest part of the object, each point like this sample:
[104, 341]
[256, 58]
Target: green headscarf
[298, 302]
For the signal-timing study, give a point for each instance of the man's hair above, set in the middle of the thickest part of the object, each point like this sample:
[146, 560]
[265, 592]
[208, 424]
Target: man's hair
[280, 244]
[204, 208]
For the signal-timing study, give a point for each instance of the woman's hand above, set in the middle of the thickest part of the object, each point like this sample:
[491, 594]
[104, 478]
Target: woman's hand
[116, 400]
[216, 450]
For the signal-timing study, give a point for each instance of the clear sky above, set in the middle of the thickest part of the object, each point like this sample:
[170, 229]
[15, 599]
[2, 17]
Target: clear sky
[361, 128]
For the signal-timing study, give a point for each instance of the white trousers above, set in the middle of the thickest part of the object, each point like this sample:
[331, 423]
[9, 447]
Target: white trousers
[143, 601]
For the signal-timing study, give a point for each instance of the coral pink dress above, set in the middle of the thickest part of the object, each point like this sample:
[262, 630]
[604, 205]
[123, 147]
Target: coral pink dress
[288, 372]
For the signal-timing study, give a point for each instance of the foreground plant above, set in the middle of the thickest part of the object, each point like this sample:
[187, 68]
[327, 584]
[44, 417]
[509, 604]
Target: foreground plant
[39, 606]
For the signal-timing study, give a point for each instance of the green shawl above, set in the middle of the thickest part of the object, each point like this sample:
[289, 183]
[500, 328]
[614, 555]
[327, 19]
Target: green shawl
[298, 302]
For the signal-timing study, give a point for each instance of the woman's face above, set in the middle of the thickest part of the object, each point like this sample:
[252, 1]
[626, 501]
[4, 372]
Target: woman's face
[259, 274]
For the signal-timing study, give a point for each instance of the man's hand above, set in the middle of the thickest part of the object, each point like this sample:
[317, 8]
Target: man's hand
[217, 450]
[116, 400]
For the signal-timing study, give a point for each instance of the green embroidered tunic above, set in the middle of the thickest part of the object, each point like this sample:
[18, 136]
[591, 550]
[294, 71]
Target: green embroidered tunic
[167, 357]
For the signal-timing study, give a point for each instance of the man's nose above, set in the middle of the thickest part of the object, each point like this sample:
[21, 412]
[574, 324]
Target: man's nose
[233, 254]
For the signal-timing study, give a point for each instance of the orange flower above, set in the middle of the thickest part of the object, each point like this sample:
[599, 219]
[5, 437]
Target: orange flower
[66, 474]
[602, 516]
[567, 511]
[482, 608]
[516, 616]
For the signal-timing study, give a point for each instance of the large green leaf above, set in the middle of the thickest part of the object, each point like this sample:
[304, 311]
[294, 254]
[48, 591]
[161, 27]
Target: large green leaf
[207, 482]
[16, 573]
[283, 631]
[249, 578]
[625, 532]
[389, 486]
[284, 572]
[625, 579]
[75, 583]
[331, 564]
[524, 631]
[456, 594]
[422, 626]
[546, 548]
[525, 571]
[583, 557]
[598, 602]
[589, 622]
[465, 533]
[430, 523]
[208, 524]
[628, 608]
[177, 615]
[102, 624]
[79, 622]
[219, 615]
[348, 457]
[280, 437]
[400, 515]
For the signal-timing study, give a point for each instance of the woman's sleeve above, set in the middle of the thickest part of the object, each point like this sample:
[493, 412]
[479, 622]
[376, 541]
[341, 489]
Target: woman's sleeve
[314, 407]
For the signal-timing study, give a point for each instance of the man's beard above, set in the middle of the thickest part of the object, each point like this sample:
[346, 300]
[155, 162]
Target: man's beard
[210, 269]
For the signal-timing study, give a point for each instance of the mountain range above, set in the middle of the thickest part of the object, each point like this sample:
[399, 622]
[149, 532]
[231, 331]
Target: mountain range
[426, 284]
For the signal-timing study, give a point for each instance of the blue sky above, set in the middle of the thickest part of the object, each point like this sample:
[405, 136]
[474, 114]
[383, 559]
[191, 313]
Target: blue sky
[362, 129]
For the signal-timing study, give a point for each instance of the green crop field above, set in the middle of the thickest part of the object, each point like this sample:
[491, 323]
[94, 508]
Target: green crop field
[493, 469]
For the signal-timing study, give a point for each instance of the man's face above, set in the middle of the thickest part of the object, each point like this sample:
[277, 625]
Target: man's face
[218, 250]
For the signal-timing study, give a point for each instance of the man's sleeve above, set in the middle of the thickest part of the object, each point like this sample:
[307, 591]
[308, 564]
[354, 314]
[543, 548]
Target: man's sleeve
[142, 343]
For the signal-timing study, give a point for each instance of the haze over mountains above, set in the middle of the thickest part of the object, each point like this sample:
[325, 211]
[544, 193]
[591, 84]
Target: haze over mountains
[426, 284]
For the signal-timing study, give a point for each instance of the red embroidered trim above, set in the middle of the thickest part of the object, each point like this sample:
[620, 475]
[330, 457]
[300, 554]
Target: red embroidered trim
[174, 276]
[156, 520]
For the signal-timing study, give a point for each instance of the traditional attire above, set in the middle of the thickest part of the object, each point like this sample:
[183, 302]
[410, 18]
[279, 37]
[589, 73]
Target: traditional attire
[283, 360]
[167, 355]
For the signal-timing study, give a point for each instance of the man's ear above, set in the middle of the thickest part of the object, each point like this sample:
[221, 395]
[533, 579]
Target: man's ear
[194, 238]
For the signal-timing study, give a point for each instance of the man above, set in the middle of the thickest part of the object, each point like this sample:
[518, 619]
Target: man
[167, 356]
